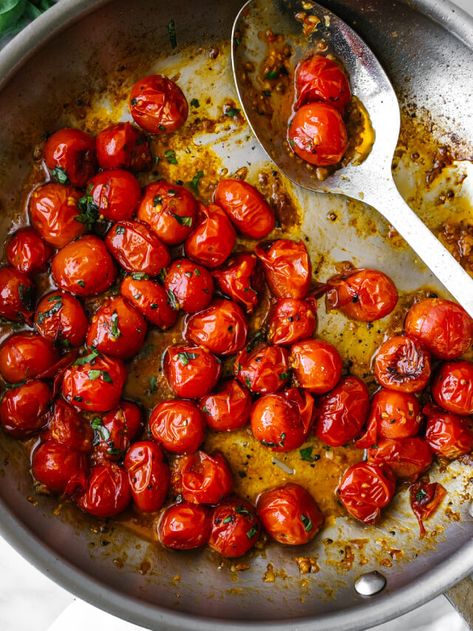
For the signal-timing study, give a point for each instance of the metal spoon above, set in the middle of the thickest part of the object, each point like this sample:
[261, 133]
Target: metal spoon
[371, 181]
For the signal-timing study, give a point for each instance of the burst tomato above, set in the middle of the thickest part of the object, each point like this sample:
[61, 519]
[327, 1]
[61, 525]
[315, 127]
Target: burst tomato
[123, 146]
[241, 280]
[184, 526]
[27, 251]
[425, 498]
[235, 528]
[116, 194]
[55, 213]
[61, 319]
[452, 387]
[249, 212]
[69, 155]
[448, 435]
[62, 470]
[108, 491]
[221, 328]
[402, 364]
[228, 408]
[115, 430]
[409, 458]
[25, 356]
[150, 299]
[191, 371]
[365, 489]
[136, 248]
[319, 78]
[158, 105]
[263, 370]
[212, 241]
[68, 427]
[317, 365]
[203, 478]
[189, 286]
[16, 295]
[178, 426]
[292, 320]
[23, 409]
[148, 475]
[287, 267]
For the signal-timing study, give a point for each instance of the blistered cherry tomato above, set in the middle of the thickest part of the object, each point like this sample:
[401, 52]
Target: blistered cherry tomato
[241, 280]
[27, 251]
[263, 370]
[452, 387]
[287, 267]
[108, 491]
[292, 320]
[319, 78]
[365, 489]
[402, 364]
[203, 478]
[123, 146]
[150, 299]
[289, 514]
[137, 248]
[55, 213]
[184, 526]
[69, 428]
[221, 328]
[62, 470]
[61, 319]
[116, 194]
[425, 498]
[117, 329]
[235, 528]
[23, 409]
[228, 408]
[26, 356]
[409, 458]
[189, 286]
[158, 104]
[212, 241]
[249, 212]
[16, 295]
[115, 430]
[84, 267]
[69, 155]
[317, 365]
[448, 435]
[148, 475]
[191, 371]
[178, 426]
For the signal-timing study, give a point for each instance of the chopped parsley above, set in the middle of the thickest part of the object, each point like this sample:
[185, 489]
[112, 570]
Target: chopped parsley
[307, 523]
[81, 283]
[252, 532]
[87, 359]
[89, 212]
[307, 456]
[153, 383]
[231, 111]
[170, 156]
[284, 375]
[195, 103]
[120, 230]
[194, 183]
[114, 328]
[140, 276]
[184, 221]
[96, 374]
[172, 299]
[229, 519]
[157, 199]
[42, 315]
[59, 175]
[421, 495]
[241, 510]
[186, 357]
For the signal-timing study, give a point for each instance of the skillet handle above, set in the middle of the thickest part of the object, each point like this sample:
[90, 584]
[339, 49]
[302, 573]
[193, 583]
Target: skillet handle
[461, 597]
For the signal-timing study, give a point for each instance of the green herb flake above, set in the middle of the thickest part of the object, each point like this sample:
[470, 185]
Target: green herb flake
[89, 212]
[172, 299]
[307, 455]
[170, 156]
[248, 382]
[59, 175]
[229, 519]
[42, 315]
[172, 192]
[284, 375]
[282, 439]
[157, 200]
[101, 433]
[197, 271]
[114, 328]
[139, 276]
[96, 374]
[195, 103]
[87, 359]
[252, 532]
[153, 384]
[172, 33]
[194, 183]
[120, 230]
[231, 111]
[307, 523]
[186, 357]
[241, 510]
[184, 221]
[25, 294]
[421, 495]
[81, 283]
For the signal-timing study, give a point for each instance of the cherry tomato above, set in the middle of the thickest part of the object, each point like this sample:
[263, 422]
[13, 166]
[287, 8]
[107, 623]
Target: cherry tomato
[212, 241]
[235, 528]
[178, 426]
[84, 267]
[27, 251]
[221, 328]
[317, 365]
[425, 499]
[191, 371]
[292, 320]
[69, 155]
[289, 514]
[365, 489]
[23, 409]
[169, 210]
[150, 299]
[123, 146]
[61, 319]
[69, 428]
[116, 194]
[203, 478]
[228, 408]
[158, 104]
[249, 212]
[16, 295]
[452, 387]
[184, 526]
[55, 213]
[448, 435]
[94, 382]
[402, 364]
[189, 286]
[287, 267]
[136, 248]
[115, 430]
[319, 78]
[263, 370]
[241, 280]
[108, 491]
[408, 458]
[25, 356]
[62, 470]
[148, 475]
[442, 326]
[117, 329]
[362, 294]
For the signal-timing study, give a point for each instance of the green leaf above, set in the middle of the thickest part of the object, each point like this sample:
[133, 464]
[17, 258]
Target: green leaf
[231, 111]
[96, 374]
[252, 532]
[186, 357]
[194, 183]
[10, 12]
[307, 456]
[172, 299]
[170, 156]
[100, 431]
[42, 315]
[421, 495]
[282, 439]
[195, 103]
[229, 519]
[172, 33]
[59, 175]
[87, 359]
[119, 229]
[81, 283]
[89, 212]
[114, 328]
[307, 523]
[139, 276]
[184, 221]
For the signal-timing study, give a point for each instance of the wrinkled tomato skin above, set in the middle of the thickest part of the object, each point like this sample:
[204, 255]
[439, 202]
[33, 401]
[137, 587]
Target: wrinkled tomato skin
[190, 285]
[287, 267]
[221, 328]
[241, 280]
[151, 300]
[68, 427]
[123, 146]
[342, 412]
[289, 514]
[23, 409]
[247, 209]
[27, 252]
[84, 267]
[16, 295]
[448, 435]
[213, 239]
[318, 135]
[263, 370]
[25, 356]
[148, 475]
[136, 248]
[122, 425]
[62, 470]
[452, 387]
[191, 371]
[320, 79]
[292, 320]
[235, 528]
[203, 478]
[408, 458]
[317, 365]
[158, 104]
[228, 408]
[184, 526]
[108, 491]
[365, 295]
[54, 213]
[401, 364]
[365, 489]
[72, 151]
[169, 210]
[117, 329]
[60, 318]
[178, 426]
[116, 194]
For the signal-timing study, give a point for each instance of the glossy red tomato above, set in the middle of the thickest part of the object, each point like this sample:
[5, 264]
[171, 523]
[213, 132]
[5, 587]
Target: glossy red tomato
[342, 412]
[62, 470]
[115, 430]
[189, 286]
[69, 155]
[235, 528]
[55, 213]
[158, 104]
[178, 426]
[115, 193]
[212, 241]
[25, 356]
[425, 498]
[23, 409]
[148, 475]
[203, 478]
[150, 299]
[263, 370]
[317, 365]
[365, 489]
[169, 210]
[84, 267]
[94, 382]
[448, 435]
[184, 526]
[221, 328]
[287, 267]
[68, 427]
[117, 329]
[136, 248]
[16, 295]
[108, 491]
[123, 146]
[402, 364]
[319, 78]
[248, 210]
[292, 320]
[452, 387]
[27, 251]
[61, 319]
[241, 280]
[442, 326]
[409, 458]
[228, 408]
[289, 514]
[191, 371]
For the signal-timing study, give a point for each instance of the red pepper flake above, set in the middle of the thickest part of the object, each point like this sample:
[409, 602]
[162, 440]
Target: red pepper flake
[425, 499]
